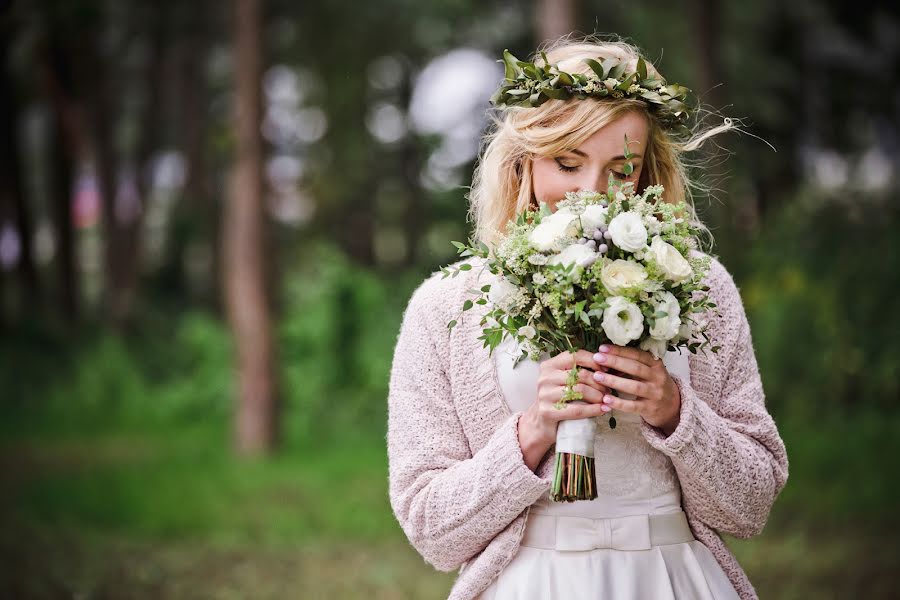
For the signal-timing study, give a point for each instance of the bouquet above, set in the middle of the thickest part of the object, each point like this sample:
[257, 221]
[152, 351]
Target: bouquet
[604, 267]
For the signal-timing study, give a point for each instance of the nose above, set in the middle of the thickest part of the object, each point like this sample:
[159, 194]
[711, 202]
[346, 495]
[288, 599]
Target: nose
[592, 180]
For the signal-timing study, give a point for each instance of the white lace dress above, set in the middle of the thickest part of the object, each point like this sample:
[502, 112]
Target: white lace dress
[603, 549]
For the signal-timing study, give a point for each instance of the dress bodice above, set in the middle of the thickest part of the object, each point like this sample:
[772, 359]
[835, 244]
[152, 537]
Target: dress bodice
[632, 476]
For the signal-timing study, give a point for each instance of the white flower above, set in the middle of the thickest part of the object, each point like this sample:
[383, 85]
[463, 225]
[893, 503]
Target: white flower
[654, 226]
[503, 293]
[527, 331]
[655, 347]
[666, 328]
[686, 331]
[622, 320]
[673, 265]
[628, 231]
[537, 259]
[553, 229]
[592, 218]
[539, 279]
[573, 254]
[620, 275]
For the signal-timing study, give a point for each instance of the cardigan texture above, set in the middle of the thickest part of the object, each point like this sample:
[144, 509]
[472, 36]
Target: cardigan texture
[459, 486]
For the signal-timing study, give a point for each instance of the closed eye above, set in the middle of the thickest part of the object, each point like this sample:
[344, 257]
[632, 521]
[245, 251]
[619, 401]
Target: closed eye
[565, 168]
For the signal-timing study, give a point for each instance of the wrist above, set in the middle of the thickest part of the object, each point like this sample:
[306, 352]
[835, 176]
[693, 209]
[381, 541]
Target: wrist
[532, 443]
[668, 428]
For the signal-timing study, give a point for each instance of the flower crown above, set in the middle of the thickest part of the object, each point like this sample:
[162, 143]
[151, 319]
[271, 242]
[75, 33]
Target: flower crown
[529, 85]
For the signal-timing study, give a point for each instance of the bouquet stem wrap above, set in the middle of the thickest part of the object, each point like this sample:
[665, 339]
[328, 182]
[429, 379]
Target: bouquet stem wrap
[575, 477]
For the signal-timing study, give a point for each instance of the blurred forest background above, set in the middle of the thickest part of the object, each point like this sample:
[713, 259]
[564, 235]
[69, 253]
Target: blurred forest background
[212, 215]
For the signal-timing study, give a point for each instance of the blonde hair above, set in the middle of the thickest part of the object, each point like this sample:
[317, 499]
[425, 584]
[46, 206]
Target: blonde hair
[501, 185]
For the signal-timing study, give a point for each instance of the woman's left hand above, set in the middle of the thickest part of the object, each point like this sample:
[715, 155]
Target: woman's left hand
[658, 399]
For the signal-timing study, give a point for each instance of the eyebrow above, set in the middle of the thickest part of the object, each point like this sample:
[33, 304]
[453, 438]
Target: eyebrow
[614, 158]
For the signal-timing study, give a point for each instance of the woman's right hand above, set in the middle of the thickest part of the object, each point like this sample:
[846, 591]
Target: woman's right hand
[537, 426]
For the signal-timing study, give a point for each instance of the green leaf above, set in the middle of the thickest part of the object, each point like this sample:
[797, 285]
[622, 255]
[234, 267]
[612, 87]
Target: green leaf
[486, 288]
[465, 267]
[511, 69]
[641, 68]
[467, 305]
[617, 71]
[608, 65]
[451, 324]
[595, 67]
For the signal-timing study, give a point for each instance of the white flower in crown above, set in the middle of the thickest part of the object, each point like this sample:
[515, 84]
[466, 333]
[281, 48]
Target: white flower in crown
[673, 265]
[620, 275]
[628, 231]
[622, 320]
[667, 327]
[554, 229]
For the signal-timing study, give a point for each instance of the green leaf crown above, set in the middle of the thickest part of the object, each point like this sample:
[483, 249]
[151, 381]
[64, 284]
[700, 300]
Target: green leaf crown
[529, 85]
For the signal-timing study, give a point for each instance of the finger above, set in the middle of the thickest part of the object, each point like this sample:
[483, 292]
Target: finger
[641, 389]
[625, 365]
[637, 354]
[565, 360]
[578, 411]
[560, 378]
[632, 406]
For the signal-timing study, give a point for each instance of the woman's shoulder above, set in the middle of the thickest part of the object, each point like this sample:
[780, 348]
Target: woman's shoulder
[440, 294]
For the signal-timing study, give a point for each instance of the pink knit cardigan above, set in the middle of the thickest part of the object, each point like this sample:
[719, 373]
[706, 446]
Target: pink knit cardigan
[459, 486]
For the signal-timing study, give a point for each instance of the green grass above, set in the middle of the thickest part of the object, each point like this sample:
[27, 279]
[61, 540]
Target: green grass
[168, 514]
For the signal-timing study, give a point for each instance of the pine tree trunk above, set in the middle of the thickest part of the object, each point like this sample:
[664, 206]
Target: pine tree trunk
[243, 240]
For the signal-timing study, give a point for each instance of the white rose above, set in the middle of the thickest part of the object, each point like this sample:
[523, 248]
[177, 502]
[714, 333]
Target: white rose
[573, 254]
[503, 293]
[527, 331]
[619, 275]
[553, 229]
[666, 328]
[655, 347]
[622, 320]
[592, 218]
[628, 231]
[673, 265]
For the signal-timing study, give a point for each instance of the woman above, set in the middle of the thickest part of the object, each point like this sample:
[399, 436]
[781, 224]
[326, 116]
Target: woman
[471, 440]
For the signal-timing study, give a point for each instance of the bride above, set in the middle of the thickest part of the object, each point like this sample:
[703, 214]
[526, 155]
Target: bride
[471, 439]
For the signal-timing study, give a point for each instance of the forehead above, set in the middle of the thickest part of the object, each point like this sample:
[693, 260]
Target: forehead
[609, 141]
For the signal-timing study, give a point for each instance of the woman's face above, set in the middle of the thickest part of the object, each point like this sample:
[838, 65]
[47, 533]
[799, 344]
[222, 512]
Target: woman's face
[589, 166]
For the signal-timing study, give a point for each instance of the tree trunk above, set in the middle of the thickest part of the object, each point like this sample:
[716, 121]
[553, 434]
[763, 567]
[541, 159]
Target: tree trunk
[243, 253]
[67, 143]
[554, 18]
[13, 207]
[706, 25]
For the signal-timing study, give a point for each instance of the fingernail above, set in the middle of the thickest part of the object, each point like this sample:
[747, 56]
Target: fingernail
[598, 376]
[607, 399]
[604, 348]
[600, 357]
[605, 408]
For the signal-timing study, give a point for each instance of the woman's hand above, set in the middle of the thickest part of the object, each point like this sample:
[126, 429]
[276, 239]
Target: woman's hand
[537, 426]
[658, 398]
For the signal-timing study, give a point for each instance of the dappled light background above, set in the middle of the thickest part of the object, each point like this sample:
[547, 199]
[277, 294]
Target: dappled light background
[212, 215]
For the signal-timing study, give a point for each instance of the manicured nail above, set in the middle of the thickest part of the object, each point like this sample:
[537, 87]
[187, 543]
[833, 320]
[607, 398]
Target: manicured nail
[598, 376]
[604, 348]
[607, 399]
[605, 408]
[600, 357]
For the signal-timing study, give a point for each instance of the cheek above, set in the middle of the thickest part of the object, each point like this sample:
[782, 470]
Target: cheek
[548, 183]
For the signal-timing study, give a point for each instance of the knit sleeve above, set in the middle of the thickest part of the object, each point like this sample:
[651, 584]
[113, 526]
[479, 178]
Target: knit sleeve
[726, 449]
[449, 502]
